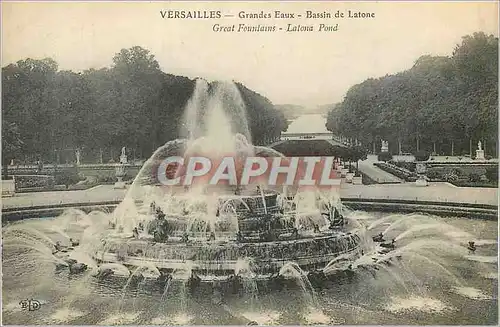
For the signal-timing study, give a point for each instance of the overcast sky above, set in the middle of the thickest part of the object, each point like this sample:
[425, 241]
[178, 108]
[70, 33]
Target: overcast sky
[302, 68]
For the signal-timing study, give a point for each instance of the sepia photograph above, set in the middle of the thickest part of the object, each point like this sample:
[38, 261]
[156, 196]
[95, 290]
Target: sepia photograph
[249, 163]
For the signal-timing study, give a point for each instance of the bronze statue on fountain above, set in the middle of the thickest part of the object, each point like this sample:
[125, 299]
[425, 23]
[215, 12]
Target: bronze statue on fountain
[159, 227]
[250, 226]
[337, 221]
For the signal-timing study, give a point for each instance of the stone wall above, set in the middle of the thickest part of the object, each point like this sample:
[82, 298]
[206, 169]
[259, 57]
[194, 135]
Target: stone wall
[101, 172]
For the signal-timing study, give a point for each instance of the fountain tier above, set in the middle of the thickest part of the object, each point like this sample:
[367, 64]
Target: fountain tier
[262, 228]
[218, 229]
[224, 258]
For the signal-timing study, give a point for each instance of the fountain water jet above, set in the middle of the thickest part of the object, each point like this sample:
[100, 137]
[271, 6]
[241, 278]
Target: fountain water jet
[216, 234]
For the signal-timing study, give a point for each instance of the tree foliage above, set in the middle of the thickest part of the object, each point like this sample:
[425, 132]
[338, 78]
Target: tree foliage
[384, 156]
[356, 153]
[438, 101]
[132, 104]
[11, 144]
[421, 155]
[352, 154]
[266, 123]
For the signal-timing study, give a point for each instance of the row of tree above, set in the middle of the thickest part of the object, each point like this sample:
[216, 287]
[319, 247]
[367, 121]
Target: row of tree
[442, 104]
[321, 148]
[265, 121]
[48, 114]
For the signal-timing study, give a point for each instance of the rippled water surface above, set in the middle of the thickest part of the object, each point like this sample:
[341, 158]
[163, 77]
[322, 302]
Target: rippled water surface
[414, 289]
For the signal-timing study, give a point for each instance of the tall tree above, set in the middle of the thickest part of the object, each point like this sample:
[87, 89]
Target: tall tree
[11, 144]
[132, 104]
[441, 104]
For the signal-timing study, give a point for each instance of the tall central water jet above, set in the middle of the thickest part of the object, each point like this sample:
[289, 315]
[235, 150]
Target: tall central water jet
[216, 111]
[214, 223]
[256, 239]
[192, 115]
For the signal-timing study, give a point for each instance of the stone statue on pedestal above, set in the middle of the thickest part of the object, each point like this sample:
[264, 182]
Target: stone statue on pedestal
[123, 157]
[480, 151]
[120, 170]
[385, 146]
[77, 154]
[422, 179]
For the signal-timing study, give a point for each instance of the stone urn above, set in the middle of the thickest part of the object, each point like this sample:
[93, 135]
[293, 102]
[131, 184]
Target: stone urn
[8, 187]
[422, 179]
[120, 173]
[357, 180]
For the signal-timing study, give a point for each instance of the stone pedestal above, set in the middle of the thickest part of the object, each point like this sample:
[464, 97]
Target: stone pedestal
[357, 180]
[421, 177]
[384, 147]
[8, 187]
[480, 155]
[421, 181]
[120, 185]
[343, 172]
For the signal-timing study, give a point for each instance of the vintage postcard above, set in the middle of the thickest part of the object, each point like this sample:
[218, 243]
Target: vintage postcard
[249, 163]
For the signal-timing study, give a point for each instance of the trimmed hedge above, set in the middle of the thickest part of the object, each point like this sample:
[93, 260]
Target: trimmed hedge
[384, 156]
[492, 174]
[67, 178]
[466, 176]
[421, 155]
[34, 181]
[396, 171]
[410, 166]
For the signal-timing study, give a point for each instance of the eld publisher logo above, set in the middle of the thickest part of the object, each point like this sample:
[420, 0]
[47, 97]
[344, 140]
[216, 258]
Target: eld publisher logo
[30, 305]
